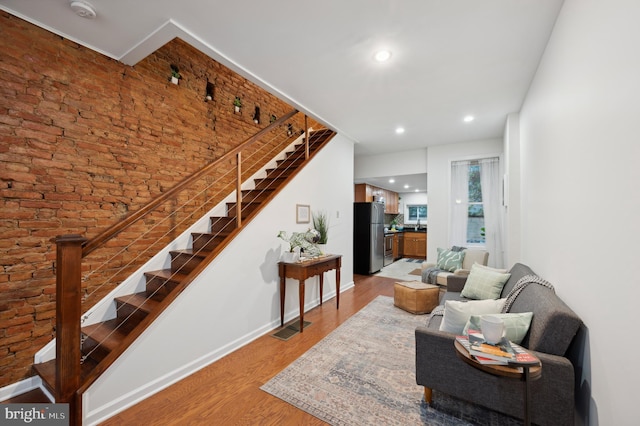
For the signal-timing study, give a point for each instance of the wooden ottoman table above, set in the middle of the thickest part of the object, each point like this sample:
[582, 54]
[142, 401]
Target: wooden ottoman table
[415, 296]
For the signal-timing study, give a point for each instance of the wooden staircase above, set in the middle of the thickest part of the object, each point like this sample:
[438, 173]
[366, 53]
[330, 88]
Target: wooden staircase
[103, 342]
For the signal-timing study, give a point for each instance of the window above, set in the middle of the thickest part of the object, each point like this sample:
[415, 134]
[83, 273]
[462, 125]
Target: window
[468, 222]
[475, 212]
[417, 212]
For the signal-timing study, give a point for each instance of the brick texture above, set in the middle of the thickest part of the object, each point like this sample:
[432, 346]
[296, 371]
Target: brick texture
[85, 140]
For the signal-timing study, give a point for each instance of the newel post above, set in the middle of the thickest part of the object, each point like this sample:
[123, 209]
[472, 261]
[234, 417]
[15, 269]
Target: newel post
[68, 310]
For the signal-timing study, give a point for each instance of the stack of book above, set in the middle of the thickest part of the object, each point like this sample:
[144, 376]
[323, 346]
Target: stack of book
[502, 353]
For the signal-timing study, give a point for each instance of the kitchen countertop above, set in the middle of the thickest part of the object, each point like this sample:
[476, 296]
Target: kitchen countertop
[409, 229]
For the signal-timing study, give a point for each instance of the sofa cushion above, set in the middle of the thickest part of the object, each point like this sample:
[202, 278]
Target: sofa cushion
[457, 313]
[516, 325]
[484, 283]
[449, 260]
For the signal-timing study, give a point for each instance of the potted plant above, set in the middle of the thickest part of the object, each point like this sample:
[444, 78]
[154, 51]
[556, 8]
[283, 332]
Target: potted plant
[175, 74]
[321, 224]
[300, 243]
[237, 103]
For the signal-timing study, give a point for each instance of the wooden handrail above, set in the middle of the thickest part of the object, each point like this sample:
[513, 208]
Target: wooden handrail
[115, 229]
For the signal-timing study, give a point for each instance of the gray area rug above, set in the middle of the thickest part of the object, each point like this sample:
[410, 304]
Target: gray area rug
[363, 373]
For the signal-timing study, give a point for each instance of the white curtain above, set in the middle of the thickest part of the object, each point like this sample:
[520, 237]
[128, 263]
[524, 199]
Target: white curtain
[460, 202]
[491, 183]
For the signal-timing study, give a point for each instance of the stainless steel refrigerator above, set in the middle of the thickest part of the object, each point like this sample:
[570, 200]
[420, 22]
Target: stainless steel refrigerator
[368, 237]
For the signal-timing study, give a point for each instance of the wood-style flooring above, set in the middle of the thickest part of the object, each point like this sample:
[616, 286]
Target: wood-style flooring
[227, 392]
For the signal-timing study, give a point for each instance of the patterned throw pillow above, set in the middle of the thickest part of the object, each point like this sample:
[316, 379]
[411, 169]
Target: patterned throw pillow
[484, 283]
[516, 325]
[449, 260]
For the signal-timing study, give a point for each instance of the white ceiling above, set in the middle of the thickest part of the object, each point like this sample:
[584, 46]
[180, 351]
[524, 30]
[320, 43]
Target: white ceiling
[450, 58]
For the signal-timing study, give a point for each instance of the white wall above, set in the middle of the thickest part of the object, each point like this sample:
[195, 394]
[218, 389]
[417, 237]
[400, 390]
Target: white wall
[237, 299]
[392, 164]
[513, 211]
[580, 156]
[439, 186]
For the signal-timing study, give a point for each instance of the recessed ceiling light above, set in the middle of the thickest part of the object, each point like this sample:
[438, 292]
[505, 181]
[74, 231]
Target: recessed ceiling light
[400, 130]
[382, 55]
[469, 118]
[417, 190]
[392, 180]
[406, 186]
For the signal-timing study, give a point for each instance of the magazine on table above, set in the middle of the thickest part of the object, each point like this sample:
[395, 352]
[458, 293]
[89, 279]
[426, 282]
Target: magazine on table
[464, 341]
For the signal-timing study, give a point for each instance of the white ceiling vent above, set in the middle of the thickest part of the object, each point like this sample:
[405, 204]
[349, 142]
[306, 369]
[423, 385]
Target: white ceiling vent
[82, 9]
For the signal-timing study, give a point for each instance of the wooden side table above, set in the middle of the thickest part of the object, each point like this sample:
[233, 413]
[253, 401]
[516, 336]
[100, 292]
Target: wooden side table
[526, 373]
[303, 270]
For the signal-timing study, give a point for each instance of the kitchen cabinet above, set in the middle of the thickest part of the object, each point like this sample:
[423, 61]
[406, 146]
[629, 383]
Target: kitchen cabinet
[398, 245]
[364, 193]
[415, 245]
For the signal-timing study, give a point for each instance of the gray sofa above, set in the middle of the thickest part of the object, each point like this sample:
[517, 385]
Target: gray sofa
[552, 330]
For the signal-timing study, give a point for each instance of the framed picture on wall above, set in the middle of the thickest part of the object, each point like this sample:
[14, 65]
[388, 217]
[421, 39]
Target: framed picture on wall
[303, 213]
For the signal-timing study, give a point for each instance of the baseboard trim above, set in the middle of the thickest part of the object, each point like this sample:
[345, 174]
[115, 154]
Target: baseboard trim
[106, 411]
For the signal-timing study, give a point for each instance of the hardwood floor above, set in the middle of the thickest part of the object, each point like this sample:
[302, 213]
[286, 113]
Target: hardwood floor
[227, 392]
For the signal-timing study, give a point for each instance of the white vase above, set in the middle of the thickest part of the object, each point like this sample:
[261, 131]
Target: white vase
[290, 256]
[174, 80]
[322, 248]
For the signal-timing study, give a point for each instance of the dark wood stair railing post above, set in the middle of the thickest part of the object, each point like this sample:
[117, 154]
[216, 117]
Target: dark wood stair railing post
[68, 311]
[306, 138]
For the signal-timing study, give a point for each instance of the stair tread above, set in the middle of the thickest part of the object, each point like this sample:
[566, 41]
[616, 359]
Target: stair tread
[47, 371]
[140, 301]
[191, 252]
[167, 274]
[108, 333]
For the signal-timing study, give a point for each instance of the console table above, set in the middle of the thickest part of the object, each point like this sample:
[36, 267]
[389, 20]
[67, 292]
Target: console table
[303, 270]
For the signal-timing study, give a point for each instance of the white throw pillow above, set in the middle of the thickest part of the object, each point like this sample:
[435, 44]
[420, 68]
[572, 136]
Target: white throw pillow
[457, 313]
[484, 283]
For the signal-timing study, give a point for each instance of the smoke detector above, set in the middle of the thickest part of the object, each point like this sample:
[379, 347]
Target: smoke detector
[82, 9]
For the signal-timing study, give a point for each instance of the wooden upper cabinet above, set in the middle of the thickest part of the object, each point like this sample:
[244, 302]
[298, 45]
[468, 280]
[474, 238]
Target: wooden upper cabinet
[364, 194]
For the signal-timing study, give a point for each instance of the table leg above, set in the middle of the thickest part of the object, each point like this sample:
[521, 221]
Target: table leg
[527, 413]
[338, 287]
[283, 287]
[301, 305]
[321, 285]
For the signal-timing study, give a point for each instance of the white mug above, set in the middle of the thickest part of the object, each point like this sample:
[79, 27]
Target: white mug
[492, 328]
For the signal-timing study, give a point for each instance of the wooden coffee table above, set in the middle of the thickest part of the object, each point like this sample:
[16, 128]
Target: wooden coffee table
[526, 373]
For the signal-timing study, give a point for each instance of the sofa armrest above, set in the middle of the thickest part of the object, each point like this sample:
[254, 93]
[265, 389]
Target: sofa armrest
[462, 272]
[456, 283]
[426, 265]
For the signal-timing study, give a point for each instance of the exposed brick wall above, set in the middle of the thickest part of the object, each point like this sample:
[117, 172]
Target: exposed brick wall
[84, 140]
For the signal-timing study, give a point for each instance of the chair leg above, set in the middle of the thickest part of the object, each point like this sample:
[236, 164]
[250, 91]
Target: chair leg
[428, 395]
